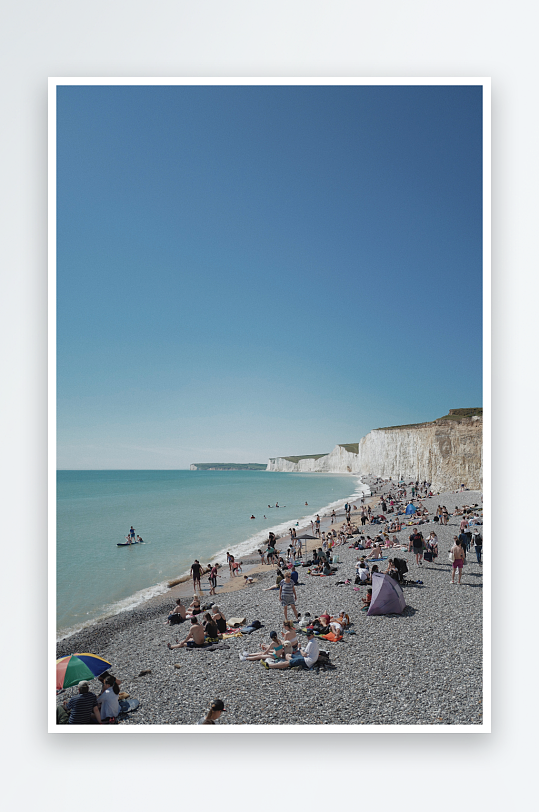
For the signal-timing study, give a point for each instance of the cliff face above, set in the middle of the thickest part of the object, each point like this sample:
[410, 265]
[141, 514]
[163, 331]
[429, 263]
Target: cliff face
[447, 452]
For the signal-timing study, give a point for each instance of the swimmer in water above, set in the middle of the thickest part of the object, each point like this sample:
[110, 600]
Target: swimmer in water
[276, 504]
[253, 517]
[306, 503]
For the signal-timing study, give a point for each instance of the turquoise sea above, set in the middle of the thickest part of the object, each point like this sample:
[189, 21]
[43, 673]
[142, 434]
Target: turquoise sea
[181, 515]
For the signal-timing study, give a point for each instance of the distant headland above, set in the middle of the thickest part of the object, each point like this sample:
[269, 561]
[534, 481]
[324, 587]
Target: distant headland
[228, 466]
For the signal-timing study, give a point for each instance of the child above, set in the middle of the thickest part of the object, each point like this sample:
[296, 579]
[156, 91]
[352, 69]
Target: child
[248, 580]
[367, 600]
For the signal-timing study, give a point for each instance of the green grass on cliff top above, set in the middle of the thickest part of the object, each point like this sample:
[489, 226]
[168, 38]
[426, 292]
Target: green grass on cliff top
[454, 414]
[303, 457]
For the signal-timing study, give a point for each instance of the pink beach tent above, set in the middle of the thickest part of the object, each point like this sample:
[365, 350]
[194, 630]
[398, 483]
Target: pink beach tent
[387, 596]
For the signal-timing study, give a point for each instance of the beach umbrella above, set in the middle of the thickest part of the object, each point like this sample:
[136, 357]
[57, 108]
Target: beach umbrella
[306, 536]
[71, 670]
[387, 596]
[410, 509]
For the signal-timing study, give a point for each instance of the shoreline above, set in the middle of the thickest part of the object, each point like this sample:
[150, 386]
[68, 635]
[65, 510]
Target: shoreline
[162, 591]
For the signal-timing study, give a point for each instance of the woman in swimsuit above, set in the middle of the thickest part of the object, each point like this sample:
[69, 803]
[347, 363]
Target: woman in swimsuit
[210, 629]
[219, 619]
[194, 609]
[275, 649]
[290, 637]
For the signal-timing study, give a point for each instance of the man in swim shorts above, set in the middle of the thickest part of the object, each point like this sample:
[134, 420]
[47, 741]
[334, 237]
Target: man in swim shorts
[458, 554]
[195, 572]
[195, 638]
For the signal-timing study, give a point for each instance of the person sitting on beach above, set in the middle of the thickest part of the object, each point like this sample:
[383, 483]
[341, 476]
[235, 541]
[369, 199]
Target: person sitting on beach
[366, 601]
[294, 575]
[219, 619]
[109, 705]
[83, 708]
[305, 658]
[392, 570]
[210, 629]
[178, 614]
[290, 637]
[275, 648]
[374, 569]
[362, 572]
[194, 608]
[213, 715]
[278, 580]
[195, 638]
[376, 551]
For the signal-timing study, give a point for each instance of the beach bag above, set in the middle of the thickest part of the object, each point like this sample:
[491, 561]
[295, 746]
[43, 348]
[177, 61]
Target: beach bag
[427, 556]
[237, 621]
[450, 557]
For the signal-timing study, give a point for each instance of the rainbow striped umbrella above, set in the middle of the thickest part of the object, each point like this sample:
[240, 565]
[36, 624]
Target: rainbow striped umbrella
[71, 670]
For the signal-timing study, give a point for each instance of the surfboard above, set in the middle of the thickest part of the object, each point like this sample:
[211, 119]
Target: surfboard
[127, 544]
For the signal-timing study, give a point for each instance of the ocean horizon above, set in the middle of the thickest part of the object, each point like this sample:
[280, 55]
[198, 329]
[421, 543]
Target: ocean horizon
[181, 515]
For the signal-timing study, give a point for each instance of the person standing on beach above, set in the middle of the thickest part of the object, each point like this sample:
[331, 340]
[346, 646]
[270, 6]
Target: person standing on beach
[213, 579]
[478, 539]
[287, 595]
[417, 543]
[195, 572]
[459, 556]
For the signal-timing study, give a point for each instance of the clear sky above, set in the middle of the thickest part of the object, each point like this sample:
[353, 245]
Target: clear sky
[246, 272]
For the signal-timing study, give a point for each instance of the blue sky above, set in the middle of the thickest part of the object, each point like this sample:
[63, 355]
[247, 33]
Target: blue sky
[246, 272]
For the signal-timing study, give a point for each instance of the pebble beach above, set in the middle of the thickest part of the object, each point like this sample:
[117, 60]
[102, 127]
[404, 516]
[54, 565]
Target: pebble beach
[423, 667]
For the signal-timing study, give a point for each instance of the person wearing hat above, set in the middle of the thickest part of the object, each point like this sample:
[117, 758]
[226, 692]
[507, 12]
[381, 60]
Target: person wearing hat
[305, 658]
[212, 717]
[83, 708]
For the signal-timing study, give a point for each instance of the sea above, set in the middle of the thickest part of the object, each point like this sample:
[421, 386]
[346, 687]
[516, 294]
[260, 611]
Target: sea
[180, 515]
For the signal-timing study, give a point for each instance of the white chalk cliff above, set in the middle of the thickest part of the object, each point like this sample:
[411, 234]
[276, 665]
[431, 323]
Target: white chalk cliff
[447, 452]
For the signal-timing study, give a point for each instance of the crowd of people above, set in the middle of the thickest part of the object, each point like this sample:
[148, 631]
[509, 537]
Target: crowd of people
[207, 624]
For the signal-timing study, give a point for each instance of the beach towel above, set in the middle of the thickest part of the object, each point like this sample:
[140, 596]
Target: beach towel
[231, 633]
[252, 627]
[209, 646]
[332, 637]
